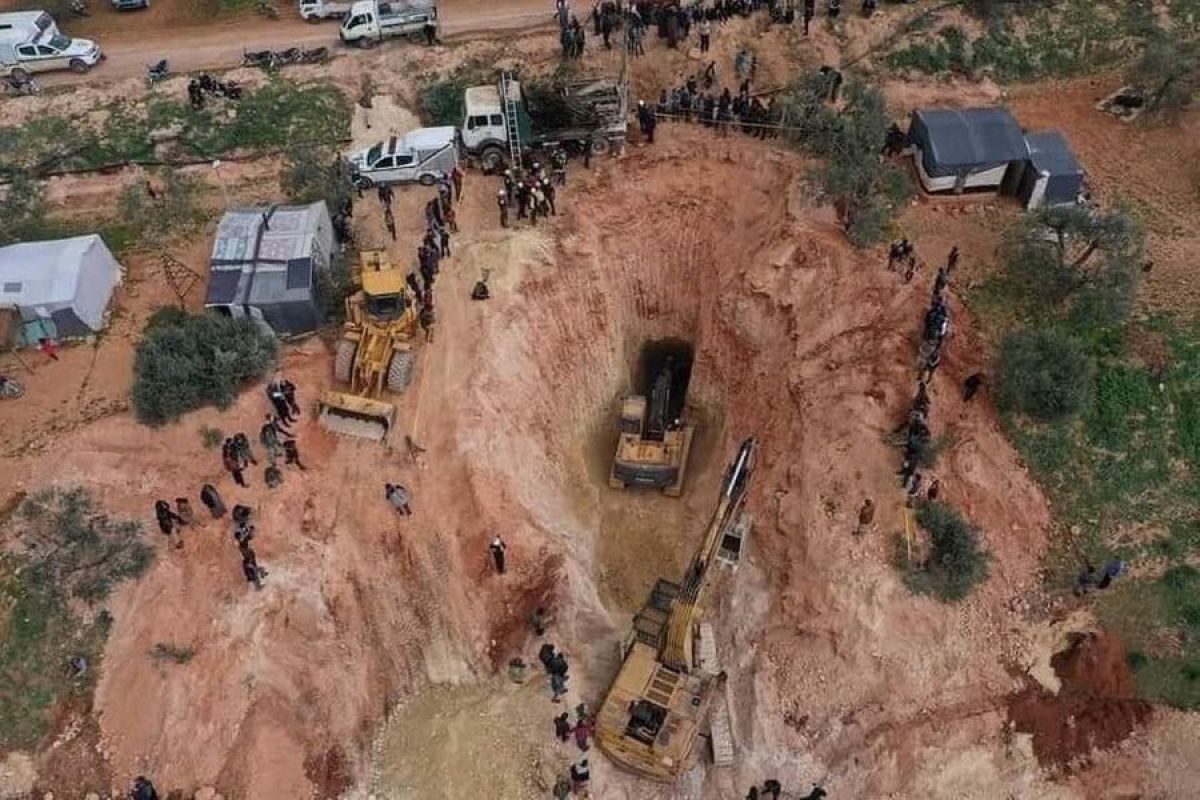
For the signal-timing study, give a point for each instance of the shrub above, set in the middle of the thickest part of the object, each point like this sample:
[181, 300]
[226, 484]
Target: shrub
[22, 207]
[310, 174]
[1043, 373]
[332, 286]
[957, 563]
[186, 361]
[211, 437]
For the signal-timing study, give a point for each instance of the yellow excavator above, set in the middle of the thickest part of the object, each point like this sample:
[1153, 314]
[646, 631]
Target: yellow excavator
[659, 701]
[652, 449]
[375, 351]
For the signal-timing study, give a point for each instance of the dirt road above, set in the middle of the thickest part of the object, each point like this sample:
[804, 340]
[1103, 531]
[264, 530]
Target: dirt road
[129, 49]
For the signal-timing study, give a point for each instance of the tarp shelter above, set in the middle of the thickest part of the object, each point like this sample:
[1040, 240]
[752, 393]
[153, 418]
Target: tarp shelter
[264, 265]
[1052, 175]
[58, 288]
[966, 148]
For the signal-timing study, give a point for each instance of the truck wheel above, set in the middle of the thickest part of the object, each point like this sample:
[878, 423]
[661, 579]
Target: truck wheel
[427, 180]
[363, 182]
[313, 20]
[366, 43]
[599, 147]
[343, 360]
[19, 75]
[78, 67]
[492, 159]
[400, 371]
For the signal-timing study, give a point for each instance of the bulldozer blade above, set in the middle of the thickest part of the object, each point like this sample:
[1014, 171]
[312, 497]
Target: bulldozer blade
[351, 415]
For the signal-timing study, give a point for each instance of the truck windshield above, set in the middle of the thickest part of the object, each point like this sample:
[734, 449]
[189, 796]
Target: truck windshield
[59, 42]
[385, 306]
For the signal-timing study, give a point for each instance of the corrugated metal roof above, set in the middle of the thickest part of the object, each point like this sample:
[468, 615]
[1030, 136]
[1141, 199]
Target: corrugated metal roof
[1050, 152]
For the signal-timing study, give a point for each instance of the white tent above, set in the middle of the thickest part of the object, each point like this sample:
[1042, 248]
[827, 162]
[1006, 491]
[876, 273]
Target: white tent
[60, 288]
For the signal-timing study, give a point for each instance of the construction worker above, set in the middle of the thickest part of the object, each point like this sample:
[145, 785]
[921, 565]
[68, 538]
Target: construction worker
[562, 727]
[502, 203]
[268, 437]
[548, 192]
[510, 185]
[212, 500]
[399, 497]
[457, 176]
[143, 789]
[558, 165]
[537, 202]
[497, 549]
[866, 517]
[168, 520]
[291, 455]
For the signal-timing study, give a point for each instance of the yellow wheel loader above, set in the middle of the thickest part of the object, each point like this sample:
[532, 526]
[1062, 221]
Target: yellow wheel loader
[375, 351]
[652, 449]
[658, 704]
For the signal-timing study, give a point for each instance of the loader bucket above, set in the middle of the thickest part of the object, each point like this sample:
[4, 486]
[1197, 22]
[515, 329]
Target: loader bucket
[351, 415]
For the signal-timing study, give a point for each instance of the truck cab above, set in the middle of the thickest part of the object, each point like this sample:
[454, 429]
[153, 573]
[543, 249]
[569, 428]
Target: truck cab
[32, 42]
[485, 125]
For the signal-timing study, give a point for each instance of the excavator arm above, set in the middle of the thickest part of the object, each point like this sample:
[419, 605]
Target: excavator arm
[677, 650]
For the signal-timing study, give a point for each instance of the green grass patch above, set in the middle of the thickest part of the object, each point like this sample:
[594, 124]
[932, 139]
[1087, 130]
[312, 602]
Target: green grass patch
[1022, 43]
[70, 557]
[440, 99]
[278, 115]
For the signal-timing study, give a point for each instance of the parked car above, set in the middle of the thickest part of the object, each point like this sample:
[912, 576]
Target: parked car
[30, 41]
[420, 155]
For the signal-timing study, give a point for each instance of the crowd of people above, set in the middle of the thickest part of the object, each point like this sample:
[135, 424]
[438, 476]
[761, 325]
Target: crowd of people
[534, 191]
[237, 456]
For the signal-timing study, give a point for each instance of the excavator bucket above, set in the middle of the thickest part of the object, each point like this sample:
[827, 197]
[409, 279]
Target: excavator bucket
[351, 415]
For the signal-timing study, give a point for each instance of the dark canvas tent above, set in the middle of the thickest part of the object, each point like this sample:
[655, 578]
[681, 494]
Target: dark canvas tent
[961, 148]
[1052, 175]
[264, 265]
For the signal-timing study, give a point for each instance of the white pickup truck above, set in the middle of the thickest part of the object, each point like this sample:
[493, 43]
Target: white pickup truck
[370, 21]
[420, 155]
[31, 42]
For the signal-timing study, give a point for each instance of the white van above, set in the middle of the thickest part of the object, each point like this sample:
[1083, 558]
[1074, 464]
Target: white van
[420, 155]
[31, 42]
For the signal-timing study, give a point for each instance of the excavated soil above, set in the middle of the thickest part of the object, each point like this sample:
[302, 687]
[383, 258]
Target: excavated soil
[1093, 710]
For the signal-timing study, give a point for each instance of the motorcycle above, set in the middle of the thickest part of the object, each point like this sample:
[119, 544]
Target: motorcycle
[79, 8]
[267, 9]
[229, 89]
[317, 55]
[21, 84]
[259, 58]
[157, 72]
[289, 56]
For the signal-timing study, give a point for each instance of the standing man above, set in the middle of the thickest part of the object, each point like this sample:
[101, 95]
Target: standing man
[705, 29]
[457, 176]
[278, 399]
[232, 463]
[241, 449]
[427, 319]
[548, 192]
[268, 436]
[385, 195]
[444, 241]
[389, 222]
[168, 520]
[291, 455]
[502, 204]
[497, 549]
[562, 727]
[810, 11]
[250, 568]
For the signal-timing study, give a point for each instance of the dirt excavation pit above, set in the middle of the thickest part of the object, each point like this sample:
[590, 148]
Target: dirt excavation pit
[1094, 709]
[704, 248]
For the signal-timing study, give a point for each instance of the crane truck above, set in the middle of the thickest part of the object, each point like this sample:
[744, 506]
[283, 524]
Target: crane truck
[505, 119]
[656, 706]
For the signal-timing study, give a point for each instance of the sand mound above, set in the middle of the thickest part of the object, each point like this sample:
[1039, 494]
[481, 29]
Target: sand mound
[1095, 708]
